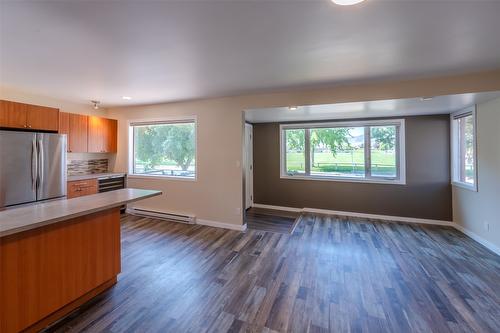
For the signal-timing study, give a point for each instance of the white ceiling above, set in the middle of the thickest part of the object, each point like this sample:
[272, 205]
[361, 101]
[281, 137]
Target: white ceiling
[156, 51]
[371, 109]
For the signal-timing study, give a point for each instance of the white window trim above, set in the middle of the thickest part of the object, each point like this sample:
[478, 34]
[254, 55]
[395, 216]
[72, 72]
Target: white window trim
[130, 156]
[401, 157]
[454, 150]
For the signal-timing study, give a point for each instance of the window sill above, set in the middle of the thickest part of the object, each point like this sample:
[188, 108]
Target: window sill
[136, 176]
[348, 180]
[465, 186]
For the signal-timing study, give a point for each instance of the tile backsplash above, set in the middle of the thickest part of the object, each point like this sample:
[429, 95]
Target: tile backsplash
[84, 167]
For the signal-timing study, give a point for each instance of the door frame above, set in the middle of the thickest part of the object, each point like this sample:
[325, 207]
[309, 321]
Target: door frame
[248, 165]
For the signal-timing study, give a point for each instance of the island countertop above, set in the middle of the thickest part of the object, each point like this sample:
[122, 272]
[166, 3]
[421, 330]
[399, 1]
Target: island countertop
[16, 220]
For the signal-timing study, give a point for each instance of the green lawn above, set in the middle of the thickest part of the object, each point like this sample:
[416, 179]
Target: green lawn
[383, 163]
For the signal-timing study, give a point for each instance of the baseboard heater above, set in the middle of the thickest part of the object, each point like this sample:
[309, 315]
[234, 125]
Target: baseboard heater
[189, 219]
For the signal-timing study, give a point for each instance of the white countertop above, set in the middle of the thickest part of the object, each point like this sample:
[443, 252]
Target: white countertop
[96, 175]
[15, 220]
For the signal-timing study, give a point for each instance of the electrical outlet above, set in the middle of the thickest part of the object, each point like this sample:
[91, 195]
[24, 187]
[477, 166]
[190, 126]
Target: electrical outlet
[486, 226]
[237, 210]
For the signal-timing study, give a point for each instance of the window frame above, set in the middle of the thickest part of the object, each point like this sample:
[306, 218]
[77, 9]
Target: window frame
[454, 146]
[400, 179]
[160, 121]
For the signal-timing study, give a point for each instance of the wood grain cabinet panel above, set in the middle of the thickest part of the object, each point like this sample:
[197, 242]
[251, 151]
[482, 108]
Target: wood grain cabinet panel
[12, 114]
[78, 133]
[102, 137]
[42, 118]
[27, 116]
[44, 269]
[111, 136]
[64, 123]
[75, 127]
[80, 188]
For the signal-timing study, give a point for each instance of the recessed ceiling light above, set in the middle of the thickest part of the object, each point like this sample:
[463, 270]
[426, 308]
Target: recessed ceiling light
[346, 2]
[423, 99]
[95, 104]
[293, 108]
[127, 98]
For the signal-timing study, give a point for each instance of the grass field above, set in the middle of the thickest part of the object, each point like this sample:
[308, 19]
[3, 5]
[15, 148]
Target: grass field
[383, 163]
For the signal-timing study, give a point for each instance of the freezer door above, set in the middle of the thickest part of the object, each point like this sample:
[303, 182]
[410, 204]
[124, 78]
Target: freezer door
[51, 166]
[17, 168]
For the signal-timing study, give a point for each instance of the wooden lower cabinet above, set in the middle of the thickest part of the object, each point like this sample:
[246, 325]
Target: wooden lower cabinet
[46, 272]
[80, 188]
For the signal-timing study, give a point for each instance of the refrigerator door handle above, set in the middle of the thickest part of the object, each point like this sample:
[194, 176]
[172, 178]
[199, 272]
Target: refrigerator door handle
[34, 165]
[40, 163]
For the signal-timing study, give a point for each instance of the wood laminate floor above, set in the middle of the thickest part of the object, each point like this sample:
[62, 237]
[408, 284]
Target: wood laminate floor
[271, 220]
[332, 274]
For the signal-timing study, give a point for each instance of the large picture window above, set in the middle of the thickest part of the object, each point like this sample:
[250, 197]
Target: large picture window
[163, 148]
[463, 142]
[371, 151]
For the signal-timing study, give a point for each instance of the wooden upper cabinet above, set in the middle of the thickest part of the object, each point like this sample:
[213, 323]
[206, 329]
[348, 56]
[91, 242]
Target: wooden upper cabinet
[102, 135]
[111, 135]
[42, 118]
[78, 133]
[64, 123]
[75, 126]
[27, 116]
[12, 114]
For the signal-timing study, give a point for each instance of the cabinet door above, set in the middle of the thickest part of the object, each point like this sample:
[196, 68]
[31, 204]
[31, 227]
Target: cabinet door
[77, 138]
[111, 136]
[12, 114]
[102, 135]
[42, 118]
[64, 124]
[97, 134]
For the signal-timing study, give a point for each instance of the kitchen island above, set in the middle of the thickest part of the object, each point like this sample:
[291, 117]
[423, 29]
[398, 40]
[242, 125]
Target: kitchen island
[55, 256]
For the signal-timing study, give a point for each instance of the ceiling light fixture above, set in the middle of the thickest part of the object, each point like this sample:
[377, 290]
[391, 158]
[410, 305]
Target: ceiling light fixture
[127, 98]
[293, 108]
[346, 2]
[423, 99]
[95, 104]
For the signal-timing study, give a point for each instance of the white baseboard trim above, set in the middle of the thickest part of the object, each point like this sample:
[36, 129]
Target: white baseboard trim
[492, 247]
[222, 225]
[286, 209]
[380, 217]
[360, 215]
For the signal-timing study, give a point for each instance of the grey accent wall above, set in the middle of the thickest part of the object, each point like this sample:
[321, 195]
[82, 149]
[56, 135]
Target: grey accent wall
[427, 193]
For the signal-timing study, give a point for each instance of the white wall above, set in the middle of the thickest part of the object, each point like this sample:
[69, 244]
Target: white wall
[473, 210]
[218, 192]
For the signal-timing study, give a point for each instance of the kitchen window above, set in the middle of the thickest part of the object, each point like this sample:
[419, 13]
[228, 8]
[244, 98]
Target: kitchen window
[163, 148]
[361, 151]
[463, 149]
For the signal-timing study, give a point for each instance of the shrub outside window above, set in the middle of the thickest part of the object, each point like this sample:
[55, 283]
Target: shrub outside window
[163, 148]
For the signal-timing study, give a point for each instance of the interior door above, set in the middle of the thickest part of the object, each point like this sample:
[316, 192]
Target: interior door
[17, 168]
[248, 166]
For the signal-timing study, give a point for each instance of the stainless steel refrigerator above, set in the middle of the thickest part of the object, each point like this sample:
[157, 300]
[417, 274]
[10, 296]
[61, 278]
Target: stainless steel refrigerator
[32, 167]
